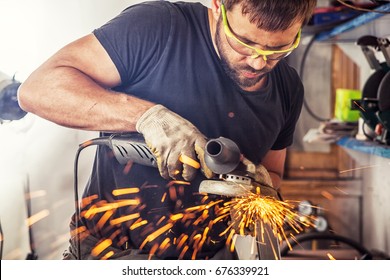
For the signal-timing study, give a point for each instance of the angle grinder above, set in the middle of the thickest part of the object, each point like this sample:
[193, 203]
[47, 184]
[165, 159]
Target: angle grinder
[222, 156]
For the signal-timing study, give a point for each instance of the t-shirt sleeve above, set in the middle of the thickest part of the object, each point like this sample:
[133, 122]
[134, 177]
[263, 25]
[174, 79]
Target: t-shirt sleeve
[136, 39]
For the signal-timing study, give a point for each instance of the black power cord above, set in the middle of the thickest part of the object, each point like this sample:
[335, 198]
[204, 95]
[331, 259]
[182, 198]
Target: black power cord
[27, 197]
[353, 7]
[301, 70]
[365, 254]
[1, 241]
[82, 146]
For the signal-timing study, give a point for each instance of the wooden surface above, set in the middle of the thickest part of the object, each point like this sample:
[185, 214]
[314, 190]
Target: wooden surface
[336, 164]
[345, 73]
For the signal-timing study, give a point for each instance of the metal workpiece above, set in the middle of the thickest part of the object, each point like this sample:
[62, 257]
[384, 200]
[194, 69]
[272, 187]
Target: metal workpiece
[232, 185]
[225, 188]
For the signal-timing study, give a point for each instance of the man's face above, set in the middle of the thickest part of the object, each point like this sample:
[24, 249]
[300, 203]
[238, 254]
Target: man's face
[246, 71]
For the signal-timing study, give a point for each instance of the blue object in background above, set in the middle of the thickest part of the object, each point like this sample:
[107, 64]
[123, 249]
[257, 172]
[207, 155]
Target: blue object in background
[368, 147]
[353, 23]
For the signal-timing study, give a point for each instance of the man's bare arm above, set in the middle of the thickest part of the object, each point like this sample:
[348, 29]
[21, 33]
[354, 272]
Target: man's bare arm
[274, 163]
[72, 88]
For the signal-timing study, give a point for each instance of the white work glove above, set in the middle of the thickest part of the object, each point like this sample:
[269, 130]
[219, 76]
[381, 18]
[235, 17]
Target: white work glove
[260, 174]
[177, 144]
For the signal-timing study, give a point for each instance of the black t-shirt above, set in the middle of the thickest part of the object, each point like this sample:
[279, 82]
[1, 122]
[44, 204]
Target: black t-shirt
[164, 53]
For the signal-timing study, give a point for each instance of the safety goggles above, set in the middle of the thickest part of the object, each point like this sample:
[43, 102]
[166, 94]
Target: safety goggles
[247, 50]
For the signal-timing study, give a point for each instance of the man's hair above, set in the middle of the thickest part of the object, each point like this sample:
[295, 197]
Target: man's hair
[274, 15]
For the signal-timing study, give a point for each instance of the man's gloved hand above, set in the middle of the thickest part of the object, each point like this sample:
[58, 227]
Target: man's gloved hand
[260, 174]
[176, 143]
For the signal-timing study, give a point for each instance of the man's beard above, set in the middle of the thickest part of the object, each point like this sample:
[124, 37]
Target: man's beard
[234, 72]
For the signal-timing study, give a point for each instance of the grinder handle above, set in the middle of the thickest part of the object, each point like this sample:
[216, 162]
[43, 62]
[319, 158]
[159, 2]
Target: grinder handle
[222, 155]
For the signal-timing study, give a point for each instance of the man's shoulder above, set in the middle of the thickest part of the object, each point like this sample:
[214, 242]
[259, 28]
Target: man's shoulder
[158, 13]
[164, 6]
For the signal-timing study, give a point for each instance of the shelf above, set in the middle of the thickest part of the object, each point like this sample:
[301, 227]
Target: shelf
[370, 23]
[368, 147]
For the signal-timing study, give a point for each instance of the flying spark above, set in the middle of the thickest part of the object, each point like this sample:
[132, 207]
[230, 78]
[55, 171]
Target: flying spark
[252, 214]
[359, 168]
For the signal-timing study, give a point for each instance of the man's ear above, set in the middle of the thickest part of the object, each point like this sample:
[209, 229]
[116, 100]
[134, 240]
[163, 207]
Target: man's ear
[216, 8]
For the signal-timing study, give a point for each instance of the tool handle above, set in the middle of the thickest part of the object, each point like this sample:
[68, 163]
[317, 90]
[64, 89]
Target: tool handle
[132, 147]
[222, 155]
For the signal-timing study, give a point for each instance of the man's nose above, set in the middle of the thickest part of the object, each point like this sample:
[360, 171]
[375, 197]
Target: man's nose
[257, 63]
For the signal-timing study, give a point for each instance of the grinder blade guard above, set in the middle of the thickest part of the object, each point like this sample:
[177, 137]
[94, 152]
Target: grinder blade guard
[223, 157]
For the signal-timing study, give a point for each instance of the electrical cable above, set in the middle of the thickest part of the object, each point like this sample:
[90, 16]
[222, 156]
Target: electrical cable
[301, 70]
[1, 241]
[361, 9]
[82, 146]
[27, 197]
[366, 254]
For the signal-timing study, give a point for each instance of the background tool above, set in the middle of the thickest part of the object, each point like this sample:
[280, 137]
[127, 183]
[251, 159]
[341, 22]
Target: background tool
[9, 106]
[374, 106]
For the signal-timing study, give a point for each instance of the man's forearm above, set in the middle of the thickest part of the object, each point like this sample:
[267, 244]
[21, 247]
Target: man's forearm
[68, 97]
[276, 180]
